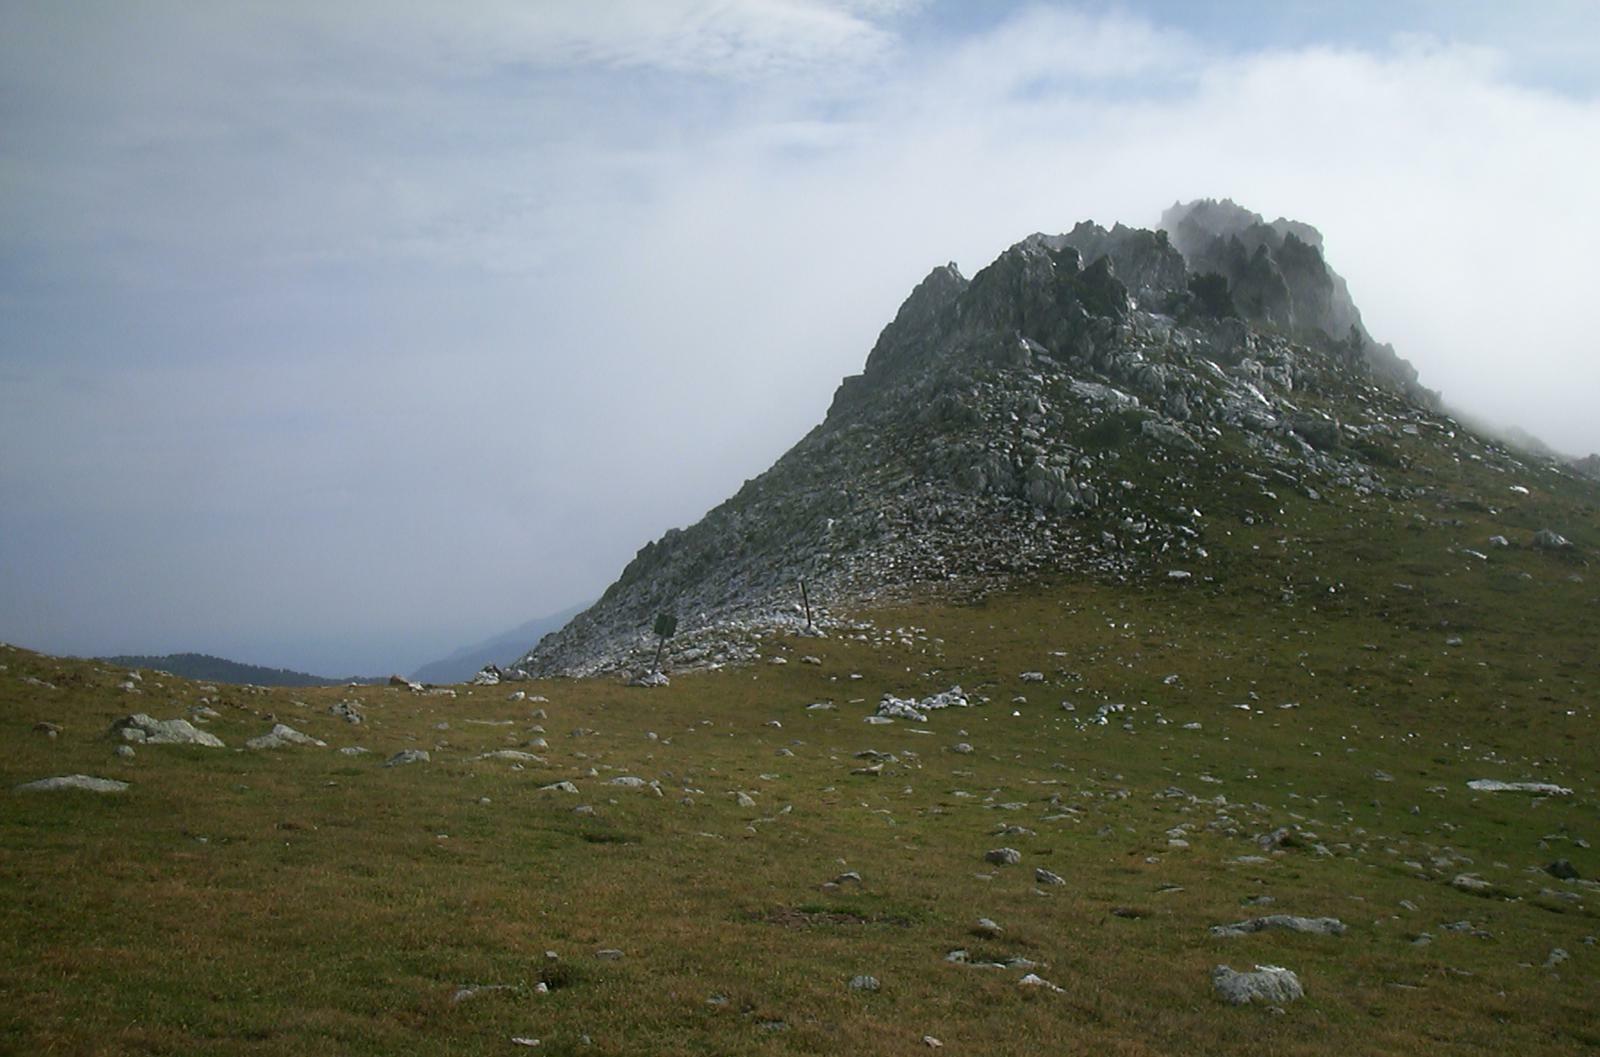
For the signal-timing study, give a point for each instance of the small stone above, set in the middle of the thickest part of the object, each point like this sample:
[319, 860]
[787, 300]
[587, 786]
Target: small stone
[987, 928]
[558, 787]
[125, 751]
[961, 747]
[608, 954]
[864, 983]
[1003, 856]
[49, 730]
[405, 756]
[1045, 877]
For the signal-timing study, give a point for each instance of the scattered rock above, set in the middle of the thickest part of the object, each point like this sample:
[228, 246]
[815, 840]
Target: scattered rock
[1548, 540]
[892, 707]
[558, 787]
[1286, 922]
[1034, 980]
[349, 711]
[1491, 785]
[1562, 869]
[1269, 983]
[1045, 877]
[281, 736]
[87, 783]
[864, 983]
[143, 730]
[49, 730]
[405, 756]
[1473, 884]
[650, 679]
[1003, 856]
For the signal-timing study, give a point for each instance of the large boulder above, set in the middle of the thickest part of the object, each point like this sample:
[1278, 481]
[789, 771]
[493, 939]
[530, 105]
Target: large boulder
[1321, 433]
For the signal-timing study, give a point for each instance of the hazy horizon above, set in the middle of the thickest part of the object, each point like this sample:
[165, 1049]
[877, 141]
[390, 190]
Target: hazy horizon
[338, 338]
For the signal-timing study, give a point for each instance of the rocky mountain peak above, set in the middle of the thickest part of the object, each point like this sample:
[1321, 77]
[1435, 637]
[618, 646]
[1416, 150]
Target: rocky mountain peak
[1071, 407]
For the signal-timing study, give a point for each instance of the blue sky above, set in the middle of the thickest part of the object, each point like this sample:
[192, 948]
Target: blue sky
[336, 336]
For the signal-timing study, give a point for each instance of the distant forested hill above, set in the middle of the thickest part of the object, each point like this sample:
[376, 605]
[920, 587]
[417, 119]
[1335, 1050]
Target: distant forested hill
[221, 670]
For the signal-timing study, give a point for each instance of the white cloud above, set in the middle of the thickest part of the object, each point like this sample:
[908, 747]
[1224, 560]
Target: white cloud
[488, 297]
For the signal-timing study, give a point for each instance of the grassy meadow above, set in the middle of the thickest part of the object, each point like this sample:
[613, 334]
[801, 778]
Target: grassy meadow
[1337, 670]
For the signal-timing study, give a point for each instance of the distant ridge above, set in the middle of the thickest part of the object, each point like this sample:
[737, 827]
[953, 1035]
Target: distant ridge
[210, 669]
[500, 650]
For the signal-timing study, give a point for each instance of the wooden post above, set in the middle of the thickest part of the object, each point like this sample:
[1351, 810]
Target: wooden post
[805, 600]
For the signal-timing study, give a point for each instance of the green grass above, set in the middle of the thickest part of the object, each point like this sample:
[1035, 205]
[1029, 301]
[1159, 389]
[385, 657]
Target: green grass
[303, 901]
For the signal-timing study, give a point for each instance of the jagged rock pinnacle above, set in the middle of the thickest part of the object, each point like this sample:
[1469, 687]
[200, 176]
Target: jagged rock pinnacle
[1053, 413]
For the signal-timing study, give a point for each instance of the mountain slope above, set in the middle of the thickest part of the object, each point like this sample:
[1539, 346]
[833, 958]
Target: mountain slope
[502, 650]
[1094, 403]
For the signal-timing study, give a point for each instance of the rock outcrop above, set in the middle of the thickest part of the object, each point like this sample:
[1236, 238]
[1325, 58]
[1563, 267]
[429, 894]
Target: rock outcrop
[1050, 413]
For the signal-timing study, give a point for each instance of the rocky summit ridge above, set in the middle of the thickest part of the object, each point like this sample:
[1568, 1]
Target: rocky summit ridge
[1074, 407]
